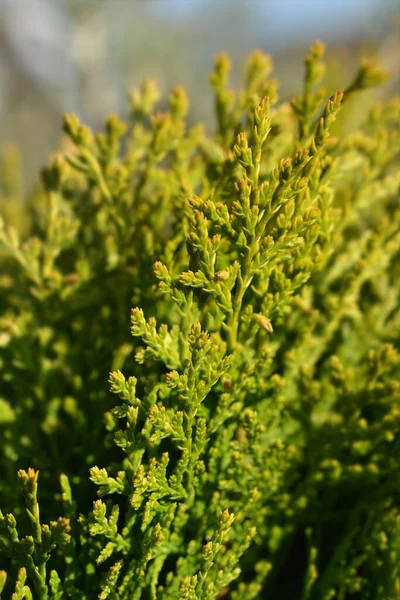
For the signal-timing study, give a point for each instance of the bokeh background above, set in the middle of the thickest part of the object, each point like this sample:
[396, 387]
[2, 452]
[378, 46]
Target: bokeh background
[61, 56]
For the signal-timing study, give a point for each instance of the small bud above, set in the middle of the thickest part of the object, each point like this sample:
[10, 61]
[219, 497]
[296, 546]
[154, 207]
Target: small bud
[28, 544]
[226, 520]
[207, 551]
[264, 323]
[10, 521]
[262, 120]
[316, 51]
[178, 103]
[219, 77]
[258, 67]
[115, 127]
[301, 158]
[144, 99]
[172, 379]
[54, 174]
[244, 188]
[222, 275]
[29, 481]
[314, 67]
[285, 168]
[242, 150]
[59, 531]
[262, 111]
[79, 134]
[369, 75]
[3, 579]
[117, 382]
[333, 104]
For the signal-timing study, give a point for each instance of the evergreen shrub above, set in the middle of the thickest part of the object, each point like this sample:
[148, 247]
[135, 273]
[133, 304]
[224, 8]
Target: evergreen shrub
[250, 446]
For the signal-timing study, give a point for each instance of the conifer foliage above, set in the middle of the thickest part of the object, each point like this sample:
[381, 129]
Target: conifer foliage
[250, 446]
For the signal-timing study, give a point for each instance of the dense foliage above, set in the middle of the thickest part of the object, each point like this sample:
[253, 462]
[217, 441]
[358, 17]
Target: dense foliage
[250, 446]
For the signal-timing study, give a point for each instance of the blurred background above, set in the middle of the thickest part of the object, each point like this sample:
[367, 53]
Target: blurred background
[84, 57]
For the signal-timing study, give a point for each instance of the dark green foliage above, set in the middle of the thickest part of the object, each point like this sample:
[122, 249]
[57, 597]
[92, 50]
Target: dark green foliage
[250, 446]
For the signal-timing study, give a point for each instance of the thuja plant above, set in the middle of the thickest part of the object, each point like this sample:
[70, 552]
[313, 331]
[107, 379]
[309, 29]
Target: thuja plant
[247, 445]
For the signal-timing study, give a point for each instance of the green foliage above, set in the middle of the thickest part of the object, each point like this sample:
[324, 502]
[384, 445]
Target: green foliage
[250, 444]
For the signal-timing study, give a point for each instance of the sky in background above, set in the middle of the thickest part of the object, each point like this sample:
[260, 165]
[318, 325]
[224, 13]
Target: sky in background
[295, 18]
[84, 56]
